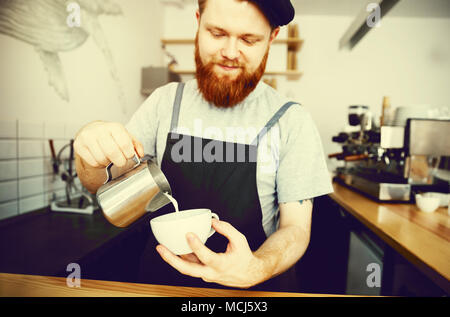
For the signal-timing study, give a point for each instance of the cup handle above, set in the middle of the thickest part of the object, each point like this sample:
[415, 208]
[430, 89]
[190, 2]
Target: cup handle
[212, 231]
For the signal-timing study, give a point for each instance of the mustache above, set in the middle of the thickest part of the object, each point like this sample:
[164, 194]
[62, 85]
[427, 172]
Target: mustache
[228, 63]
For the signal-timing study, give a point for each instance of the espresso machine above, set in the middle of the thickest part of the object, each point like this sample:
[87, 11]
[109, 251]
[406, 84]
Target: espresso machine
[392, 163]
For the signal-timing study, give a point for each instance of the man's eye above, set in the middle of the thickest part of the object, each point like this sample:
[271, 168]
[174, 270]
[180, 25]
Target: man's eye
[215, 34]
[248, 41]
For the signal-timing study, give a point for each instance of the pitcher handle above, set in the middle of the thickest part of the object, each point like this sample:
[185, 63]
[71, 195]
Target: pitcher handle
[113, 172]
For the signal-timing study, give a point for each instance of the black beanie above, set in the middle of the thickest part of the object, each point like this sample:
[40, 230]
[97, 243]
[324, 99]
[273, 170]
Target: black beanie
[278, 12]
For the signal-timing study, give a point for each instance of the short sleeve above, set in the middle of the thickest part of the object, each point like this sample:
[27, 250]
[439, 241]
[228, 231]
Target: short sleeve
[302, 172]
[143, 124]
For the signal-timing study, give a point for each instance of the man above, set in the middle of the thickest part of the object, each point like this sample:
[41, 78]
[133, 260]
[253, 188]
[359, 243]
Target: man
[264, 196]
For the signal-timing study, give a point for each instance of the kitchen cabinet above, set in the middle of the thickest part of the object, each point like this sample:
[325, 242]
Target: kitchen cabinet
[343, 253]
[398, 277]
[323, 267]
[342, 248]
[365, 264]
[44, 243]
[410, 248]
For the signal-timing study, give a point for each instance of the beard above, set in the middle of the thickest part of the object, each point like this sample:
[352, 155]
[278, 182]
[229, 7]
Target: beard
[224, 92]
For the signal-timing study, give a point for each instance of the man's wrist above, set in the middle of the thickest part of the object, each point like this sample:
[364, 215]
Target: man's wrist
[262, 268]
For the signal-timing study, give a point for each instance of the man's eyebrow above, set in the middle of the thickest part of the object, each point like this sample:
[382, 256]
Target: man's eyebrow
[256, 36]
[210, 26]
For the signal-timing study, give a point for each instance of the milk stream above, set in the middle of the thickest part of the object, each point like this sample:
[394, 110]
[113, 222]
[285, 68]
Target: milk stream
[174, 202]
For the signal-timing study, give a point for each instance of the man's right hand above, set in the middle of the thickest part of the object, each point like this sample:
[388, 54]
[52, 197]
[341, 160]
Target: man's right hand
[100, 143]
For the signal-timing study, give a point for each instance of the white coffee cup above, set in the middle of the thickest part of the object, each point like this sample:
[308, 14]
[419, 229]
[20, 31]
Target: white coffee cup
[170, 229]
[443, 198]
[427, 203]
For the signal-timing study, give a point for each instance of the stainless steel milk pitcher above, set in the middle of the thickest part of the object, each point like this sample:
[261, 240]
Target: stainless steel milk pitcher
[131, 191]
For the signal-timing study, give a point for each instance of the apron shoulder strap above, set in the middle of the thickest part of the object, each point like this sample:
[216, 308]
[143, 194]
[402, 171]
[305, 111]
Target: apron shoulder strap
[273, 121]
[176, 107]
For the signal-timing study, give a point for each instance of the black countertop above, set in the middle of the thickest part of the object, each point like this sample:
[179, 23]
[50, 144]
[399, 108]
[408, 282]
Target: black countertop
[45, 242]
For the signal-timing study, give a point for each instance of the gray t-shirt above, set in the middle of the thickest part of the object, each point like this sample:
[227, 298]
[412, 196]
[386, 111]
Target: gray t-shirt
[290, 161]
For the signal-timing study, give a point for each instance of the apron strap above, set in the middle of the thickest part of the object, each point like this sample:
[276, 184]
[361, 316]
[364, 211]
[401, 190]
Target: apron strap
[272, 121]
[176, 107]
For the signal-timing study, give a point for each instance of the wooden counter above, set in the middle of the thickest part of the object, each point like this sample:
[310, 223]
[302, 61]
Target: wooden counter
[18, 285]
[422, 238]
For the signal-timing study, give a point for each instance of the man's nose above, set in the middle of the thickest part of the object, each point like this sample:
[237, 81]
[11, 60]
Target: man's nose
[230, 50]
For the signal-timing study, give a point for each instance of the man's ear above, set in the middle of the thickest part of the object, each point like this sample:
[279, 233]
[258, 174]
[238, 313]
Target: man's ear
[274, 34]
[197, 15]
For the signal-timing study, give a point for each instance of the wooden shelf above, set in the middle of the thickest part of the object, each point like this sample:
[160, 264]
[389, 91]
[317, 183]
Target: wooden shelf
[293, 44]
[177, 41]
[289, 73]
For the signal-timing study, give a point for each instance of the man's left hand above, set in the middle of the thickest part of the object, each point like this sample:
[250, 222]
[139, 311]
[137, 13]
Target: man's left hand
[236, 267]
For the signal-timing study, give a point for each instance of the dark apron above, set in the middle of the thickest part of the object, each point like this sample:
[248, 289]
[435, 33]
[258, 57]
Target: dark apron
[227, 186]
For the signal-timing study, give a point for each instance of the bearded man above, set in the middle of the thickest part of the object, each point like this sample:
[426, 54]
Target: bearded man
[263, 198]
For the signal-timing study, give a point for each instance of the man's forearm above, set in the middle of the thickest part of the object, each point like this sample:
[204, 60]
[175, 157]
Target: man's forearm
[281, 250]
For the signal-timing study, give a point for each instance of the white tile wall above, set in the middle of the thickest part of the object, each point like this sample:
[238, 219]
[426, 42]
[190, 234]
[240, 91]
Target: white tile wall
[8, 190]
[31, 186]
[8, 209]
[8, 149]
[31, 203]
[31, 148]
[31, 167]
[27, 182]
[8, 170]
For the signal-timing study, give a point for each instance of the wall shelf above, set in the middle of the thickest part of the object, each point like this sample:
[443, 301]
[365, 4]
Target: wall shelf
[293, 43]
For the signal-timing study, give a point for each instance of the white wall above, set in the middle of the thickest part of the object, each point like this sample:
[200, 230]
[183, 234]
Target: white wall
[31, 112]
[134, 41]
[406, 58]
